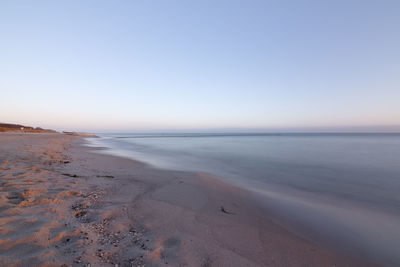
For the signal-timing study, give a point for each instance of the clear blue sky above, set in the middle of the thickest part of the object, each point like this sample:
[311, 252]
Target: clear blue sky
[200, 65]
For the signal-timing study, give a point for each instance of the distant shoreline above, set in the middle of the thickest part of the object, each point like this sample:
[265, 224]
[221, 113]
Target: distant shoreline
[19, 128]
[8, 127]
[80, 134]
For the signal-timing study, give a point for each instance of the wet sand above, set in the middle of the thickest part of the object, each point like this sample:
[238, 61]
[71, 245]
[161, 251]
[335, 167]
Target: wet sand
[63, 205]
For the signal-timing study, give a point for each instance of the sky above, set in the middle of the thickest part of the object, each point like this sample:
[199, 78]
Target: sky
[169, 65]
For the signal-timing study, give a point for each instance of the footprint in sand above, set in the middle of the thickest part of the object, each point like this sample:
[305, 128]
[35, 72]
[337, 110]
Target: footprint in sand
[15, 197]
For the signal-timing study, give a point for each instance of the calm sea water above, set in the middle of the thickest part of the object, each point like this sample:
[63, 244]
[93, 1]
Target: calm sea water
[341, 190]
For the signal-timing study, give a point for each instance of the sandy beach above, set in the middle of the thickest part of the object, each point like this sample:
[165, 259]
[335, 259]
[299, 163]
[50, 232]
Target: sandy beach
[61, 204]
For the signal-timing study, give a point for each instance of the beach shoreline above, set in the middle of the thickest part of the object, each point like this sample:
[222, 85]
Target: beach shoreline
[63, 205]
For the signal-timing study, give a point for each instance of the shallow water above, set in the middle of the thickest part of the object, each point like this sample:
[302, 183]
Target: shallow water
[341, 190]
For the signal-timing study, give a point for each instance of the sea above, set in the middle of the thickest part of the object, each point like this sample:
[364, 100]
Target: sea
[341, 190]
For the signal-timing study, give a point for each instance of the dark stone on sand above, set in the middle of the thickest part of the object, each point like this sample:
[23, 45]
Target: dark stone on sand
[225, 211]
[70, 175]
[105, 176]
